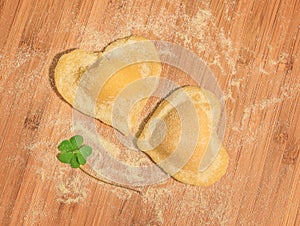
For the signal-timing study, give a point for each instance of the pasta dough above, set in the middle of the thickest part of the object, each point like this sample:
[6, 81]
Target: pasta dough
[178, 134]
[93, 81]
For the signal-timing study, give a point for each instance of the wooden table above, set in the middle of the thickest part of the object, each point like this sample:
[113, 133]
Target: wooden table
[253, 47]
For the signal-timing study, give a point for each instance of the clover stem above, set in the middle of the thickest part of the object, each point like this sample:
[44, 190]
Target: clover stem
[108, 182]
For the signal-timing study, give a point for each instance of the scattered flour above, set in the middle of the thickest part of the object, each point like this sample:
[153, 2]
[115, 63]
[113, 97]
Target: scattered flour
[197, 32]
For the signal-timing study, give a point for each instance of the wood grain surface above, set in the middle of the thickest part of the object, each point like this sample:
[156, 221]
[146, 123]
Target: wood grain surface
[253, 48]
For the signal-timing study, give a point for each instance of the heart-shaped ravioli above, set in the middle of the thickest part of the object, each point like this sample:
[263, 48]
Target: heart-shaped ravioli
[180, 135]
[107, 85]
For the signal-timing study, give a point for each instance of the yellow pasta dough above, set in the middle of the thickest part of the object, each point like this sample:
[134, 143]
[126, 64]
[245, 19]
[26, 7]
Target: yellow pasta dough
[179, 151]
[107, 73]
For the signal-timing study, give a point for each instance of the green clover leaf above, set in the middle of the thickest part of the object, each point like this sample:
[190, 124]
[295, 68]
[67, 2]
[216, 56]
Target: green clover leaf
[81, 160]
[74, 163]
[76, 141]
[65, 157]
[65, 146]
[73, 151]
[85, 151]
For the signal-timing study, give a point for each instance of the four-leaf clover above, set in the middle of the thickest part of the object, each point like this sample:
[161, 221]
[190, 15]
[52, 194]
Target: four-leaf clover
[73, 151]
